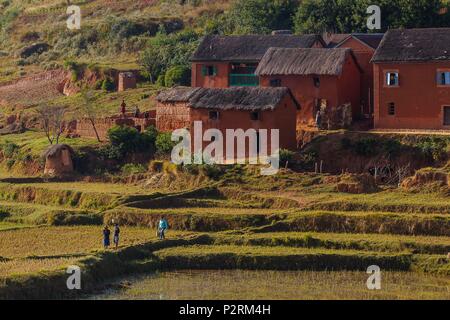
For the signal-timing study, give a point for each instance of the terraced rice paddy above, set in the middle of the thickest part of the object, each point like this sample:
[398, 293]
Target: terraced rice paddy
[275, 285]
[308, 237]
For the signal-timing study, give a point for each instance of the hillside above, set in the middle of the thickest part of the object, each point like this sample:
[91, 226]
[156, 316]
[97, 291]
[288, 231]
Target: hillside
[42, 62]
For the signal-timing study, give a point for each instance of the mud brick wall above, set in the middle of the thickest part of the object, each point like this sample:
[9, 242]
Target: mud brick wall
[127, 80]
[171, 116]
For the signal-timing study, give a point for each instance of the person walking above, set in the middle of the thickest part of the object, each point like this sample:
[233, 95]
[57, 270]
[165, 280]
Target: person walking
[116, 235]
[106, 234]
[162, 227]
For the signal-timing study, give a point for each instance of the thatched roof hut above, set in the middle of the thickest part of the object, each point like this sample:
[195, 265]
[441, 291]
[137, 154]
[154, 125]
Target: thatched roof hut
[432, 44]
[249, 48]
[58, 159]
[238, 98]
[316, 61]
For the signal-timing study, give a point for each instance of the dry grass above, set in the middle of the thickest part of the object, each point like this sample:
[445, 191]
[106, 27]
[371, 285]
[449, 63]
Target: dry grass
[57, 241]
[28, 266]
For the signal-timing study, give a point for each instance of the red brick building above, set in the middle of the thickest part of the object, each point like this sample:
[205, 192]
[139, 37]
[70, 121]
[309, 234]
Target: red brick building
[228, 61]
[412, 79]
[319, 79]
[363, 46]
[229, 108]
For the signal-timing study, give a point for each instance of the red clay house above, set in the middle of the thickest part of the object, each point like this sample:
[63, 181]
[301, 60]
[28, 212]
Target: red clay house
[228, 61]
[320, 79]
[412, 79]
[363, 46]
[229, 108]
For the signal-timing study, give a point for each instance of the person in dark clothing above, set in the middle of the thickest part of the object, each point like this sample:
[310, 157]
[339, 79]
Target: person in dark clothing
[106, 234]
[116, 235]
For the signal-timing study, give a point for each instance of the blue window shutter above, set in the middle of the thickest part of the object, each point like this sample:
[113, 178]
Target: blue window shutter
[447, 78]
[204, 70]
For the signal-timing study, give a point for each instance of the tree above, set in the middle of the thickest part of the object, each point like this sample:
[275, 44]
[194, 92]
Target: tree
[167, 50]
[52, 121]
[88, 110]
[177, 75]
[262, 16]
[346, 16]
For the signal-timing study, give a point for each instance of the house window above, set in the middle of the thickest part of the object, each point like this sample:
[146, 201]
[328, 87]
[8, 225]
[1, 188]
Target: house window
[447, 116]
[391, 109]
[209, 71]
[275, 82]
[254, 115]
[316, 82]
[443, 78]
[392, 79]
[214, 115]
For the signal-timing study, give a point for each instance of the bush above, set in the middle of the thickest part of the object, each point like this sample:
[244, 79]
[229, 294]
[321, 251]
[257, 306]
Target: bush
[212, 171]
[111, 152]
[125, 140]
[286, 156]
[10, 163]
[167, 50]
[164, 143]
[132, 168]
[108, 85]
[433, 147]
[10, 149]
[161, 81]
[177, 75]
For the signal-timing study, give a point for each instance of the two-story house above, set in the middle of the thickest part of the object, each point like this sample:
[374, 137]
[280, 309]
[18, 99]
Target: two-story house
[231, 61]
[412, 79]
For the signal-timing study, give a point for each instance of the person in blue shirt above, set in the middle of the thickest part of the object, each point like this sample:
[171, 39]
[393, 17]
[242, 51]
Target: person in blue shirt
[106, 234]
[162, 227]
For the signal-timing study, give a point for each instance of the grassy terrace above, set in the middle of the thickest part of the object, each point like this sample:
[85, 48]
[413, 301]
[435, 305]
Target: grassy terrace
[308, 227]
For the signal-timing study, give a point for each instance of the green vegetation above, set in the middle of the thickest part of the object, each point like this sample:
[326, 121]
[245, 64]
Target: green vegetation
[349, 16]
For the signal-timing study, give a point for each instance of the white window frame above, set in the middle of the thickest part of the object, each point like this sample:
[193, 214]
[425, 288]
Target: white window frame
[388, 78]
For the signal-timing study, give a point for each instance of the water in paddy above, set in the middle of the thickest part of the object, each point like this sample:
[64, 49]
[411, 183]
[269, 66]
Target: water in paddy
[303, 285]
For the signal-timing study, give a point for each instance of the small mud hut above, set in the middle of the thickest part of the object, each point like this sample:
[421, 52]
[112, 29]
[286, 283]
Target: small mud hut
[58, 160]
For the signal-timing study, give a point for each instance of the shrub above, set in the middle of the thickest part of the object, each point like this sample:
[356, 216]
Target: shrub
[10, 163]
[286, 156]
[10, 149]
[167, 50]
[132, 168]
[433, 147]
[108, 85]
[111, 152]
[212, 171]
[164, 143]
[177, 75]
[161, 81]
[125, 140]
